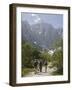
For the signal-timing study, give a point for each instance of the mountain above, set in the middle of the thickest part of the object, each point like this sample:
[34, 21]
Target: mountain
[41, 34]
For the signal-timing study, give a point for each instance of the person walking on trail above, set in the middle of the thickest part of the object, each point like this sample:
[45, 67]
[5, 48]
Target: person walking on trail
[36, 66]
[40, 66]
[46, 63]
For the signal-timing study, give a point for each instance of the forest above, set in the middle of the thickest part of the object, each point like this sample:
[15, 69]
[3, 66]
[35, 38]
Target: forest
[32, 53]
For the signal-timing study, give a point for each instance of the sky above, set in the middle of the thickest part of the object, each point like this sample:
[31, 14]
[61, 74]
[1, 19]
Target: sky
[56, 20]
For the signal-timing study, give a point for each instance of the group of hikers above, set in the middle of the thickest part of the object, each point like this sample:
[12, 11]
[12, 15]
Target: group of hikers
[38, 65]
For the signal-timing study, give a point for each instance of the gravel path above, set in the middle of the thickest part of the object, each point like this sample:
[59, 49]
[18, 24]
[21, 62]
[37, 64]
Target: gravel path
[43, 73]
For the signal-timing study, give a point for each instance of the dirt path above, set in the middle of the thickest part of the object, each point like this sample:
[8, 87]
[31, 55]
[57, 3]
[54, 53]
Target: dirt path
[43, 73]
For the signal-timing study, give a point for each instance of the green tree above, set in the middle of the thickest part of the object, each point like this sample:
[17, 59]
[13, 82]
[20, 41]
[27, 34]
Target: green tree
[45, 56]
[57, 60]
[36, 53]
[26, 55]
[58, 43]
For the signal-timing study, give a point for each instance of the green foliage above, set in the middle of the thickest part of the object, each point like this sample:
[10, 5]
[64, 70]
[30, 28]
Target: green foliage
[45, 56]
[36, 53]
[29, 53]
[26, 55]
[26, 71]
[58, 43]
[58, 60]
[57, 57]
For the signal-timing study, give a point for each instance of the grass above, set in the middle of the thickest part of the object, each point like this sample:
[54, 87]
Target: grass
[26, 71]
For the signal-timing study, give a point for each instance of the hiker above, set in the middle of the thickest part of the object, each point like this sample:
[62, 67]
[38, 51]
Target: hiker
[45, 63]
[36, 66]
[40, 66]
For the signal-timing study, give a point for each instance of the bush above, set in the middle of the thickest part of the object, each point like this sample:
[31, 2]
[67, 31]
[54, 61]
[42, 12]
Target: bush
[26, 71]
[57, 61]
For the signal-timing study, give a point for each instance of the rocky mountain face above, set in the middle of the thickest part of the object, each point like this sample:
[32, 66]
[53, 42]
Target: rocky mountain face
[41, 34]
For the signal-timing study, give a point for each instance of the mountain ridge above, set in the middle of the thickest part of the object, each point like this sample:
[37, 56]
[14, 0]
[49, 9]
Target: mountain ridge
[41, 34]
